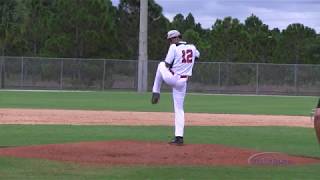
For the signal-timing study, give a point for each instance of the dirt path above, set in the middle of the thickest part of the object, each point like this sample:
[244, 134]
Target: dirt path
[85, 117]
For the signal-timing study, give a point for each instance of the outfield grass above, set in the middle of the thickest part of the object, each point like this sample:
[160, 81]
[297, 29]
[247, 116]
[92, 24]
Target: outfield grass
[131, 101]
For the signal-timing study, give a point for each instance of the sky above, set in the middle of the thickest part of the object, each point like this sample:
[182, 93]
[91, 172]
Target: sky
[274, 13]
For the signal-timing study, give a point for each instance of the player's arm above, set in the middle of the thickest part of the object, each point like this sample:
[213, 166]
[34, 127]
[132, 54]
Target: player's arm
[170, 56]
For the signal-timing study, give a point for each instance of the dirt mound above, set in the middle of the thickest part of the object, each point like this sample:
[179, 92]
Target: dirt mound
[153, 153]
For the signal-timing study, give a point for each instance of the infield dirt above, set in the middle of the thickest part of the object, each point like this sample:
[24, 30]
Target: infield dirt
[82, 117]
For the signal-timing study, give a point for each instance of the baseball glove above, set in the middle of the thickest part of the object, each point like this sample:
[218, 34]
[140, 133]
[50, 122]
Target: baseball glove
[317, 121]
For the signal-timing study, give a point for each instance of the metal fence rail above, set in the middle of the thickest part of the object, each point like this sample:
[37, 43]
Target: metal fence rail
[209, 77]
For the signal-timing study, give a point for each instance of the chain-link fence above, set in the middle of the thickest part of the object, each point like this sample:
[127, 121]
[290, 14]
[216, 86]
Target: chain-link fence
[246, 78]
[208, 77]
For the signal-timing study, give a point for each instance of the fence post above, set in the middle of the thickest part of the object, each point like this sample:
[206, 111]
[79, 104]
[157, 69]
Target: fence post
[103, 74]
[22, 73]
[1, 75]
[296, 79]
[257, 78]
[219, 77]
[61, 74]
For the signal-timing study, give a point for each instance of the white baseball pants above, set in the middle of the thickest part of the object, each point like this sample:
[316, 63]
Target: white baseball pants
[179, 86]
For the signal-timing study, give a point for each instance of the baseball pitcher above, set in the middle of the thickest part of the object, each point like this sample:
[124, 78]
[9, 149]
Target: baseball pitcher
[175, 71]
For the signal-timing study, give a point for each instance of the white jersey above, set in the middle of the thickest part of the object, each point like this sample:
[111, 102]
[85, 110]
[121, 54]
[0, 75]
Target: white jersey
[182, 57]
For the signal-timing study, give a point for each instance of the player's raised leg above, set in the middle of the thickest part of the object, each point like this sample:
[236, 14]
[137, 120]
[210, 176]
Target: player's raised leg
[156, 86]
[157, 81]
[162, 74]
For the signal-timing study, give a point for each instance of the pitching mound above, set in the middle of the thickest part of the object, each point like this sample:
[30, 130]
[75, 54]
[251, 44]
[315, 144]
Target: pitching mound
[153, 153]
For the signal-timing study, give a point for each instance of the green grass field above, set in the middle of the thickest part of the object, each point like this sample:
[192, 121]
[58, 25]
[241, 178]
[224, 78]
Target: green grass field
[297, 141]
[131, 101]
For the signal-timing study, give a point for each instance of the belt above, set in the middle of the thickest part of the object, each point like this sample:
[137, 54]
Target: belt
[181, 76]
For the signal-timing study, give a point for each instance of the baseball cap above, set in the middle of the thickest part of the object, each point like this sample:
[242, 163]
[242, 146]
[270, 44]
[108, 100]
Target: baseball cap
[173, 33]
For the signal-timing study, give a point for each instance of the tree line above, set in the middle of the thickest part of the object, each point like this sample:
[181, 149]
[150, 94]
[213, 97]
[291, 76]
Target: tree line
[97, 29]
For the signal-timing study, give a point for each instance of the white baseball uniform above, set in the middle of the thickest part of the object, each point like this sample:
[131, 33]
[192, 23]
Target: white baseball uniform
[181, 56]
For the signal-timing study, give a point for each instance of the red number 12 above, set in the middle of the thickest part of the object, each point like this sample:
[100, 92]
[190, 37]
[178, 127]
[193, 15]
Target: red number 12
[187, 56]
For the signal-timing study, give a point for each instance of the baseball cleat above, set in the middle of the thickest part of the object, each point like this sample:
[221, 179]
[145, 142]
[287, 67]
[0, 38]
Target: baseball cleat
[155, 98]
[178, 140]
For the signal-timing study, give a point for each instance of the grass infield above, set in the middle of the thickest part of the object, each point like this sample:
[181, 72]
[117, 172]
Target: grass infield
[131, 101]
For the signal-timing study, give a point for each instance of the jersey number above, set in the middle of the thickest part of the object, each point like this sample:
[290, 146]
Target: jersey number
[187, 56]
